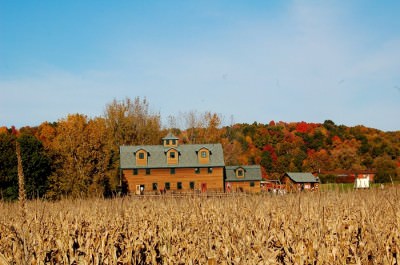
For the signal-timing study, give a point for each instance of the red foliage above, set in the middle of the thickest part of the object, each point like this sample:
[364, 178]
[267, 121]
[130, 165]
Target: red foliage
[336, 139]
[14, 131]
[270, 149]
[302, 127]
[271, 123]
[310, 152]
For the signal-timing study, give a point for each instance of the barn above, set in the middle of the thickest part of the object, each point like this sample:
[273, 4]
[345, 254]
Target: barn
[243, 178]
[299, 181]
[171, 167]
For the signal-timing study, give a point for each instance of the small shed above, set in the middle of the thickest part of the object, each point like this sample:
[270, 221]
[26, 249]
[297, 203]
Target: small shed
[361, 183]
[299, 181]
[243, 178]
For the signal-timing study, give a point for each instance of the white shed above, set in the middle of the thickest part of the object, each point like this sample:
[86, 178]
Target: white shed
[361, 183]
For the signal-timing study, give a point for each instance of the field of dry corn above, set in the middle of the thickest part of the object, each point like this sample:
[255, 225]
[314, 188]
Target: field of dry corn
[358, 227]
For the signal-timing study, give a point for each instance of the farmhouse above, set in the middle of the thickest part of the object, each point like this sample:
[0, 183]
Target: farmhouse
[243, 178]
[298, 181]
[172, 167]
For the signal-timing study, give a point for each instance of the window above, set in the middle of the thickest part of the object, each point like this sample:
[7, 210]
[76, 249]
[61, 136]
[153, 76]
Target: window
[197, 170]
[167, 185]
[171, 154]
[179, 185]
[141, 155]
[251, 183]
[172, 171]
[135, 171]
[240, 172]
[174, 142]
[210, 170]
[203, 154]
[155, 186]
[167, 142]
[148, 171]
[191, 185]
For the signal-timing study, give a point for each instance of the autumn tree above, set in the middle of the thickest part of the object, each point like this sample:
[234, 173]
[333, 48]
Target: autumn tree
[130, 122]
[232, 152]
[82, 157]
[386, 169]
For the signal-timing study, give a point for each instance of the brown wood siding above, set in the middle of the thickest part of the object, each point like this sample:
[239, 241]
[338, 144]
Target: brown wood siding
[214, 180]
[244, 186]
[291, 186]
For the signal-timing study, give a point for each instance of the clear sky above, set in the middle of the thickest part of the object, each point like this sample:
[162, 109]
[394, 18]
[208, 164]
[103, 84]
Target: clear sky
[250, 60]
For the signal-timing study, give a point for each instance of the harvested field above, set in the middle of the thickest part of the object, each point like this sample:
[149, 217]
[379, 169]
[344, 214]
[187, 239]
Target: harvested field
[358, 227]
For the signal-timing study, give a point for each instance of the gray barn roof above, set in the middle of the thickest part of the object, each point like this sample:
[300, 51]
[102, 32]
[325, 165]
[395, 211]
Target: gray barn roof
[251, 173]
[300, 177]
[157, 156]
[170, 136]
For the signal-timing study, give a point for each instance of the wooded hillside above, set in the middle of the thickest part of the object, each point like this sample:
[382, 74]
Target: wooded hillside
[78, 156]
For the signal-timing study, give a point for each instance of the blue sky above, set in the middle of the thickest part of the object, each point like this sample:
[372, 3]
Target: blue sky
[250, 60]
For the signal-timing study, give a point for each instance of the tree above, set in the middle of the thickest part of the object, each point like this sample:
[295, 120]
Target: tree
[232, 152]
[213, 123]
[36, 165]
[129, 122]
[386, 169]
[8, 167]
[268, 158]
[82, 158]
[267, 162]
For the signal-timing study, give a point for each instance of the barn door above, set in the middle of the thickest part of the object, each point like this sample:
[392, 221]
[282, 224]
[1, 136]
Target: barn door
[203, 187]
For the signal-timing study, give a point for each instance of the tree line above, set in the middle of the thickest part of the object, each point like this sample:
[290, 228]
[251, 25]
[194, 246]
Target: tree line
[78, 156]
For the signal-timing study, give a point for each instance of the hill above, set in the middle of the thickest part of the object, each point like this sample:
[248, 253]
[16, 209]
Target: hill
[78, 156]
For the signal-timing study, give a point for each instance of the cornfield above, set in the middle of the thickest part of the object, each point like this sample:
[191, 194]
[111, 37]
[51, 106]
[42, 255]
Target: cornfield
[357, 227]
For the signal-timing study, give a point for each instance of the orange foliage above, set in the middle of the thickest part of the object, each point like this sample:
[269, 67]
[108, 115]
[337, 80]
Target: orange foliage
[46, 134]
[3, 129]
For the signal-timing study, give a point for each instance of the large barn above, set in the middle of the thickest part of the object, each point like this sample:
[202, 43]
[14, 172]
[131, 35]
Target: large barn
[172, 167]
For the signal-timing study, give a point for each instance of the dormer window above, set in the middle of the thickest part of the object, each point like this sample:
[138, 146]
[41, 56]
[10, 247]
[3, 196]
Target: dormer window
[141, 157]
[240, 173]
[172, 156]
[203, 155]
